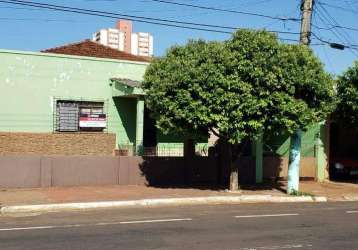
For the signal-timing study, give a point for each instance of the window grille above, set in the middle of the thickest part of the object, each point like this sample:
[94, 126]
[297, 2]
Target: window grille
[77, 116]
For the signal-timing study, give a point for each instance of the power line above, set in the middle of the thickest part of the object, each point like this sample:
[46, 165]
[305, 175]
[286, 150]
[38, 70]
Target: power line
[41, 20]
[229, 11]
[113, 16]
[330, 27]
[339, 7]
[336, 27]
[337, 32]
[324, 41]
[43, 5]
[131, 17]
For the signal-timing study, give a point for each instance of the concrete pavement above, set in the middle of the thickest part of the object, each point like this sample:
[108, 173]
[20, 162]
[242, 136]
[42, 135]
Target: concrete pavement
[334, 191]
[249, 226]
[82, 198]
[224, 199]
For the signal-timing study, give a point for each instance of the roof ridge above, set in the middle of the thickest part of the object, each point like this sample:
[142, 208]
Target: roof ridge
[107, 52]
[66, 45]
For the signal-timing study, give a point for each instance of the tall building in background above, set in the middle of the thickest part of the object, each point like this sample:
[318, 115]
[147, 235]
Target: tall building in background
[113, 38]
[125, 27]
[142, 44]
[123, 39]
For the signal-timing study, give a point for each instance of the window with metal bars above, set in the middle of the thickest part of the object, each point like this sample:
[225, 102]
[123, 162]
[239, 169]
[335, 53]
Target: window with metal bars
[77, 116]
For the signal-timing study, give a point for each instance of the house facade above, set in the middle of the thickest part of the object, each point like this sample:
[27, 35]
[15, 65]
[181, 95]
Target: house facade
[85, 99]
[78, 99]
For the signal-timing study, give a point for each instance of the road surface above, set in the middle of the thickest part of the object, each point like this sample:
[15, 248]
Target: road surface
[242, 227]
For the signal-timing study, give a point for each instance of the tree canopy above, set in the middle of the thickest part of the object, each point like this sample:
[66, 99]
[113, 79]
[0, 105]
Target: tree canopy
[347, 91]
[239, 88]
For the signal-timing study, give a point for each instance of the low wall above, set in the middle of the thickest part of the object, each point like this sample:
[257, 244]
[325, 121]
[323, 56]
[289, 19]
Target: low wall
[277, 167]
[57, 143]
[31, 171]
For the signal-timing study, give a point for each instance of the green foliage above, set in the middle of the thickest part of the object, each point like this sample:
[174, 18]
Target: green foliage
[238, 88]
[347, 91]
[306, 92]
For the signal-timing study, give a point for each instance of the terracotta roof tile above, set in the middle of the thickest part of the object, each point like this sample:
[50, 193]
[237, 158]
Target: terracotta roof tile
[94, 49]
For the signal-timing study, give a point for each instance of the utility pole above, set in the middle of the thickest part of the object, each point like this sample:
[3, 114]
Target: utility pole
[306, 9]
[296, 138]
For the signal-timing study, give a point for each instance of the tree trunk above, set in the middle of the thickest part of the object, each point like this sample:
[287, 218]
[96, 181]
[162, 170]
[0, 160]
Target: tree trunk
[234, 177]
[294, 162]
[234, 169]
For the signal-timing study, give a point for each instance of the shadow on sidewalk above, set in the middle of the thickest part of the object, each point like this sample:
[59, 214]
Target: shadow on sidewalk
[202, 173]
[266, 186]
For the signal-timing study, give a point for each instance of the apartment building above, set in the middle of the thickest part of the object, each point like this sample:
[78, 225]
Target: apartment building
[123, 39]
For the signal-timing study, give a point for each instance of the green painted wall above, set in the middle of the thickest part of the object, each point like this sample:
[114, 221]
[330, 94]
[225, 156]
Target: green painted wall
[126, 125]
[279, 145]
[29, 82]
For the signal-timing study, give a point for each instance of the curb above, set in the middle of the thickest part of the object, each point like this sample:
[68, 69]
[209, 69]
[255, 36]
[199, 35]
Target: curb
[45, 208]
[350, 198]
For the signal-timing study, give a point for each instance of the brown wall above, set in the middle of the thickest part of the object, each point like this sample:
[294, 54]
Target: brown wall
[276, 167]
[30, 171]
[24, 171]
[57, 143]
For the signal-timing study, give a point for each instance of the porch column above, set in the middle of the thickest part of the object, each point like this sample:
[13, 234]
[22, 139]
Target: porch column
[258, 152]
[139, 126]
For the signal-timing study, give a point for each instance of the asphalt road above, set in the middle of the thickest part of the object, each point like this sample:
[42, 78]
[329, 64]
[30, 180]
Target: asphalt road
[246, 227]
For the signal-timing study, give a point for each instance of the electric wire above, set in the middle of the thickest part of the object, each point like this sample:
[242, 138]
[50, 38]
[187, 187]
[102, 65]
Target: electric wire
[228, 10]
[127, 17]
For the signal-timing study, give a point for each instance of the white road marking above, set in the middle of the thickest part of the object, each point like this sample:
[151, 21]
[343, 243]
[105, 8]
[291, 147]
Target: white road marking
[37, 228]
[351, 212]
[154, 221]
[26, 228]
[264, 215]
[96, 224]
[278, 247]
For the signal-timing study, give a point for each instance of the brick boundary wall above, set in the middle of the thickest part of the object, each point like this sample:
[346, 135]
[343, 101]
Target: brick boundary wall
[57, 143]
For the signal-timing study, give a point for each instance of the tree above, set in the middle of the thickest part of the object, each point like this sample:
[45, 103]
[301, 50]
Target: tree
[295, 90]
[347, 92]
[310, 98]
[237, 89]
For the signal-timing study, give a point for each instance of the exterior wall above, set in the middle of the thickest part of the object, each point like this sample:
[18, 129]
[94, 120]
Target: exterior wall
[134, 44]
[126, 27]
[101, 36]
[127, 112]
[57, 144]
[151, 46]
[142, 44]
[113, 38]
[280, 145]
[29, 83]
[277, 167]
[51, 171]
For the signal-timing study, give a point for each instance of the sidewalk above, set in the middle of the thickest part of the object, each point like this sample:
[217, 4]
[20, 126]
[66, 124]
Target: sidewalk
[13, 197]
[141, 195]
[334, 191]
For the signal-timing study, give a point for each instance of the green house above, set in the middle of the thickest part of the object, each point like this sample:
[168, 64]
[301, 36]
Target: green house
[82, 89]
[86, 99]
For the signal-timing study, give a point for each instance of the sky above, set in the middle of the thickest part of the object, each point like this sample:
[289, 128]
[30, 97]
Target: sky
[33, 29]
